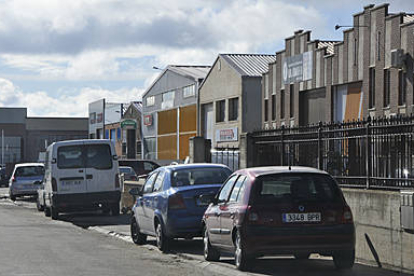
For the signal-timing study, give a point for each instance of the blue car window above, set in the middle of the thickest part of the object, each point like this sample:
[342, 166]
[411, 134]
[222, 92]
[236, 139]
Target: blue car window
[199, 176]
[148, 184]
[158, 183]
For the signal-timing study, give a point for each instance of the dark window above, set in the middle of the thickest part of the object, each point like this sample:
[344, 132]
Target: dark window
[292, 101]
[371, 87]
[401, 88]
[296, 188]
[29, 171]
[379, 46]
[233, 109]
[225, 191]
[220, 110]
[70, 157]
[282, 104]
[148, 184]
[266, 110]
[236, 194]
[98, 157]
[199, 176]
[158, 183]
[273, 107]
[387, 83]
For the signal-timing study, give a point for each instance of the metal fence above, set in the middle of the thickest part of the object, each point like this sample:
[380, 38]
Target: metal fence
[226, 156]
[376, 153]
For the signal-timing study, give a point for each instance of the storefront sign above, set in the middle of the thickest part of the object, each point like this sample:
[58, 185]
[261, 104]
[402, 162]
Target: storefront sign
[131, 124]
[226, 134]
[298, 68]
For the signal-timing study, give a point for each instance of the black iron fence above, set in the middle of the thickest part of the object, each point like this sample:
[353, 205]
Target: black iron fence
[376, 153]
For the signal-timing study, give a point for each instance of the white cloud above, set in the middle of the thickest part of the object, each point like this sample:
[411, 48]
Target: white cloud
[69, 103]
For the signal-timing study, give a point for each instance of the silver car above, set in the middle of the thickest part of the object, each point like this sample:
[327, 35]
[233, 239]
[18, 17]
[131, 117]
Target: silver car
[25, 179]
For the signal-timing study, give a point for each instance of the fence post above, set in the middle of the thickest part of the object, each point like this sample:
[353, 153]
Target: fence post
[320, 147]
[368, 153]
[282, 156]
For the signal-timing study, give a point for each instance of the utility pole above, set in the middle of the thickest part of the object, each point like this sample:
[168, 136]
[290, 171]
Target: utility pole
[2, 147]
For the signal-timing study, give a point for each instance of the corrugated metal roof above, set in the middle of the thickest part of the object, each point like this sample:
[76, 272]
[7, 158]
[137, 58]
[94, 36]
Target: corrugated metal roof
[252, 65]
[193, 71]
[328, 44]
[408, 18]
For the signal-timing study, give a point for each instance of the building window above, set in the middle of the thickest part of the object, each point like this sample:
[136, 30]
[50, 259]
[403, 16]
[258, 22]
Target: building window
[282, 104]
[150, 101]
[292, 101]
[273, 107]
[233, 109]
[379, 46]
[168, 99]
[220, 111]
[401, 88]
[371, 87]
[189, 91]
[387, 91]
[266, 110]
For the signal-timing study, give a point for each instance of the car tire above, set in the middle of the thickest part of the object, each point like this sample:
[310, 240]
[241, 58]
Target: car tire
[211, 254]
[301, 256]
[344, 259]
[47, 211]
[241, 259]
[54, 213]
[163, 242]
[136, 235]
[115, 209]
[12, 197]
[38, 205]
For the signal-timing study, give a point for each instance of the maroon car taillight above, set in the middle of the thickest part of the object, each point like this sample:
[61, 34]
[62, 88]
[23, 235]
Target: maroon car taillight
[346, 215]
[176, 202]
[117, 185]
[54, 185]
[251, 215]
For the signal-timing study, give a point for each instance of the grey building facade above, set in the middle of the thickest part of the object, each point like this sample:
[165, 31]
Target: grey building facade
[369, 73]
[169, 112]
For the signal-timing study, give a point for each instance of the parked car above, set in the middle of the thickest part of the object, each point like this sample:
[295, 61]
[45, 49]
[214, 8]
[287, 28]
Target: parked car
[141, 167]
[279, 210]
[4, 180]
[172, 202]
[81, 175]
[25, 179]
[129, 173]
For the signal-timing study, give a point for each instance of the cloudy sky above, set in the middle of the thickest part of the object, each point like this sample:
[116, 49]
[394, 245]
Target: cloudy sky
[56, 56]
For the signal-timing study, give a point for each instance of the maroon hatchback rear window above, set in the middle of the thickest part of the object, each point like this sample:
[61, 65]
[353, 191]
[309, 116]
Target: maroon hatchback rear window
[296, 187]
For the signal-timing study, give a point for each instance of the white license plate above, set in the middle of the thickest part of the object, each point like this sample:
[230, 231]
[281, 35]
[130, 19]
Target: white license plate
[302, 217]
[71, 182]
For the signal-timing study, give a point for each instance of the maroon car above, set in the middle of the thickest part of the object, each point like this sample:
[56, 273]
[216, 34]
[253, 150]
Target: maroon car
[279, 210]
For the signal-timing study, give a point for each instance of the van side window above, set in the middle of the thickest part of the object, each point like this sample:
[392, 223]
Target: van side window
[70, 157]
[98, 157]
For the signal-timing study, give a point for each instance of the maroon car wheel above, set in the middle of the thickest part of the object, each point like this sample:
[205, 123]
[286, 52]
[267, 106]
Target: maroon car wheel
[210, 253]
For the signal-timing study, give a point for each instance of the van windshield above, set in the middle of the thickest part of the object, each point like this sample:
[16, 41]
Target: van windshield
[299, 187]
[90, 156]
[98, 157]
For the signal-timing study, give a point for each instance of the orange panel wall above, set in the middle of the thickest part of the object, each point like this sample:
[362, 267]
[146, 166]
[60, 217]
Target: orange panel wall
[188, 118]
[167, 122]
[167, 147]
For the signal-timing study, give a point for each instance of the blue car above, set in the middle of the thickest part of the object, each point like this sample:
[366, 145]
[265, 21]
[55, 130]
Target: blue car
[172, 202]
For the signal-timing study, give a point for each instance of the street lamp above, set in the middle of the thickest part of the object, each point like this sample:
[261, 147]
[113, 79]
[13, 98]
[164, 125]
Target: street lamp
[343, 26]
[157, 68]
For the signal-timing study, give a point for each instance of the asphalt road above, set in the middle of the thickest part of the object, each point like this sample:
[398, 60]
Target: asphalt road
[95, 244]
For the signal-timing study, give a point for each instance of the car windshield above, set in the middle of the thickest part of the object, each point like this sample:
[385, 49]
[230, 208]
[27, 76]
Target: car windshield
[296, 188]
[199, 176]
[29, 171]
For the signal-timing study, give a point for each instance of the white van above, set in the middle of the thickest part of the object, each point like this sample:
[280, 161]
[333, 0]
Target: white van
[81, 175]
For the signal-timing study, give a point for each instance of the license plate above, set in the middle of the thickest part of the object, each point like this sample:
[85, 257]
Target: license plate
[302, 217]
[71, 182]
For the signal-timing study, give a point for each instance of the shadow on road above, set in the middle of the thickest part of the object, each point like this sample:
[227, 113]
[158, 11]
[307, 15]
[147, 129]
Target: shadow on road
[89, 219]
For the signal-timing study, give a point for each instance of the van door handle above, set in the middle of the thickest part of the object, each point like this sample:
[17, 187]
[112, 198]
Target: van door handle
[81, 171]
[89, 176]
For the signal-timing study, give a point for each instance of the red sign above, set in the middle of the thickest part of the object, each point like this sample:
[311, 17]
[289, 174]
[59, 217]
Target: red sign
[148, 120]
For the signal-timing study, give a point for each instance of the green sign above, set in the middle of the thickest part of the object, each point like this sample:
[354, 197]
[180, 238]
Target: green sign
[128, 124]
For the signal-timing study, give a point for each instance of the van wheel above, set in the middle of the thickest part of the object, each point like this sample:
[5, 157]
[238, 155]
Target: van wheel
[39, 206]
[344, 259]
[115, 209]
[47, 211]
[54, 213]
